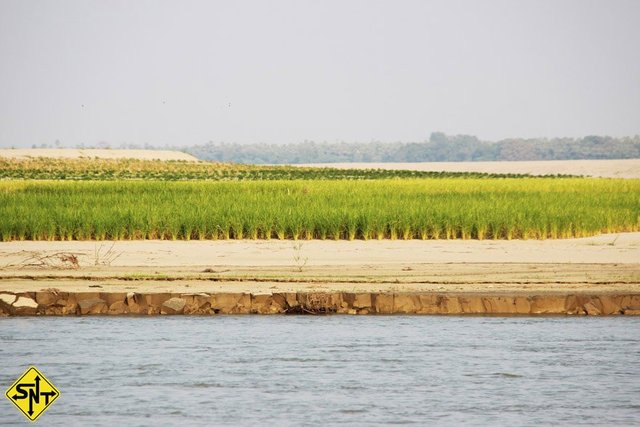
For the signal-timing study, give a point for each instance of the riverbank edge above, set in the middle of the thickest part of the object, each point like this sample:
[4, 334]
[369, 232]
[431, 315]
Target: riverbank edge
[60, 303]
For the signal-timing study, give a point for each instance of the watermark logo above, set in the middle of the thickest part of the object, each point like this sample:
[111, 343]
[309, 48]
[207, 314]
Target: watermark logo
[32, 393]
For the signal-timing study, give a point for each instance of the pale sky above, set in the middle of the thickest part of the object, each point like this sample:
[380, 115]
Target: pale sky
[187, 72]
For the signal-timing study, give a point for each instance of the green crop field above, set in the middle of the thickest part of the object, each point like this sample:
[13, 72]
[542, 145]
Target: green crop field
[418, 208]
[85, 169]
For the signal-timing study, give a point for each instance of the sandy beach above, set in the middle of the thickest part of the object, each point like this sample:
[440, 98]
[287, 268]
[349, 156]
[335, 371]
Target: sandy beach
[601, 263]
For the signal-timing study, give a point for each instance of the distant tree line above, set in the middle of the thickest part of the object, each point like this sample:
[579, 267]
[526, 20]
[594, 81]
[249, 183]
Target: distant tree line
[439, 148]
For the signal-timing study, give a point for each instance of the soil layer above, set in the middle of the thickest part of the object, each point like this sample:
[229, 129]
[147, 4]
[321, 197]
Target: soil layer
[596, 276]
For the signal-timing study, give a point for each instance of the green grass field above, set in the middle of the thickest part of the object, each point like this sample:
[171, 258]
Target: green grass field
[131, 169]
[443, 208]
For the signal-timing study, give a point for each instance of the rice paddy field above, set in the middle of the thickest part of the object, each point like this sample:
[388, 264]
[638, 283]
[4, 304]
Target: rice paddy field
[87, 169]
[465, 207]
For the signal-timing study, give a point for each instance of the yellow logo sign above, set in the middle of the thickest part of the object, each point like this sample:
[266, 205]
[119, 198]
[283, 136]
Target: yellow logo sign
[32, 393]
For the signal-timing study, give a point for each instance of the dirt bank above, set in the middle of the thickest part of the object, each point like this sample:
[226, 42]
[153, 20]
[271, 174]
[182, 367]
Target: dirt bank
[598, 275]
[55, 302]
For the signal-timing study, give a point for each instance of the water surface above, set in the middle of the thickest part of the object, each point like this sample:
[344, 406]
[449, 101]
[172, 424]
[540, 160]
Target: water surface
[335, 369]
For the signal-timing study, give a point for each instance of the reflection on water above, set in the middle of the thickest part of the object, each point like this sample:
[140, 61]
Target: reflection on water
[335, 369]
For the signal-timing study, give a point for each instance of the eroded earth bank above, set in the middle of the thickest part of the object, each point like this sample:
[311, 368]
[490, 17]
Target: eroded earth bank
[591, 276]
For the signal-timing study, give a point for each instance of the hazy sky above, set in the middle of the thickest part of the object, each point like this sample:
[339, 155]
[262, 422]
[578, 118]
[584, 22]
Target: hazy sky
[187, 72]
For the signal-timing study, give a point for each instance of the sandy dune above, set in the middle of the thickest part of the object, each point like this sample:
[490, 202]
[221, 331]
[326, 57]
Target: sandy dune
[628, 168]
[72, 153]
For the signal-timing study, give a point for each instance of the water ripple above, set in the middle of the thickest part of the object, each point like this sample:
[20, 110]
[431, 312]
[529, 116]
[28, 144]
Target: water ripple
[240, 370]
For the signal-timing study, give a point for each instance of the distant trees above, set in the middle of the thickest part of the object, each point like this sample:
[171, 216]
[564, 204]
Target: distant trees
[439, 147]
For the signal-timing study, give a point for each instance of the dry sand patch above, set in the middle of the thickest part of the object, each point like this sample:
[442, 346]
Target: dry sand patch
[72, 153]
[606, 248]
[607, 263]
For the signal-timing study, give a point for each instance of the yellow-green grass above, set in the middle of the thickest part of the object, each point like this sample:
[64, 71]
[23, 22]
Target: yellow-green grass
[446, 208]
[85, 169]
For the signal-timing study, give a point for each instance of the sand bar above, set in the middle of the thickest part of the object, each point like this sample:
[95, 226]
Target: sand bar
[606, 248]
[74, 153]
[569, 276]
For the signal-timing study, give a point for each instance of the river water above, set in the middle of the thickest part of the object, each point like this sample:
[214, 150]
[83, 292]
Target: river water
[306, 370]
